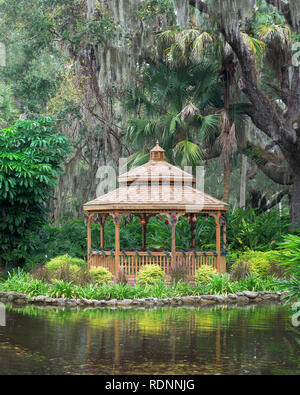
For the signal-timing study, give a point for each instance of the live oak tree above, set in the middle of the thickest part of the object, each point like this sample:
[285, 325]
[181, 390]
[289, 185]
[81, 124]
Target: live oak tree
[31, 155]
[105, 40]
[275, 112]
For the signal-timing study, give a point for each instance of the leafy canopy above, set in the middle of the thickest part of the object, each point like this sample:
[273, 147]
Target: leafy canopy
[31, 154]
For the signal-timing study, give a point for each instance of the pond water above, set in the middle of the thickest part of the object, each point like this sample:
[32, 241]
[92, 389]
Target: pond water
[219, 340]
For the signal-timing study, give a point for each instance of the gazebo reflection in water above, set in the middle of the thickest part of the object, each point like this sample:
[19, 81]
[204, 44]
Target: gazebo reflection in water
[156, 188]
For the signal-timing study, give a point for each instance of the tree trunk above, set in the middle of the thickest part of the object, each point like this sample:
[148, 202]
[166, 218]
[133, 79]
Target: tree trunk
[226, 182]
[295, 201]
[281, 126]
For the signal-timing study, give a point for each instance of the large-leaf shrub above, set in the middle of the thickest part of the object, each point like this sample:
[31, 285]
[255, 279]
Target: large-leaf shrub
[31, 155]
[289, 258]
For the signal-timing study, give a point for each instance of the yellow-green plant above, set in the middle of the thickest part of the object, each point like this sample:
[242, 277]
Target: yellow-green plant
[65, 267]
[259, 263]
[150, 274]
[100, 275]
[204, 274]
[59, 261]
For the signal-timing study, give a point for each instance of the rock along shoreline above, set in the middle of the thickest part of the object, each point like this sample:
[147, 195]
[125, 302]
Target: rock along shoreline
[240, 298]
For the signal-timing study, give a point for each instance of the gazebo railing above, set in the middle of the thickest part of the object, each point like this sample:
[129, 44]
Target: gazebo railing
[133, 261]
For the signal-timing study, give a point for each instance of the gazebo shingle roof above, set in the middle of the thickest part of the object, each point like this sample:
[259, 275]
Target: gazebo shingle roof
[142, 195]
[156, 184]
[154, 171]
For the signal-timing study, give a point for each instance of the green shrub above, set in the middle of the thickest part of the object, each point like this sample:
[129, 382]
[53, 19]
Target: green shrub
[100, 275]
[261, 264]
[150, 274]
[289, 258]
[31, 155]
[56, 263]
[204, 274]
[65, 268]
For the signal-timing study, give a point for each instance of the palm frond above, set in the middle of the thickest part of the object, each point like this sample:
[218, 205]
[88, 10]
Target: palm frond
[257, 47]
[137, 159]
[200, 44]
[209, 124]
[271, 32]
[188, 153]
[188, 112]
[140, 131]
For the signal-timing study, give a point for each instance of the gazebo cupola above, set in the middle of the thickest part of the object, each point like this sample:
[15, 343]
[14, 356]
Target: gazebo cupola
[157, 153]
[156, 188]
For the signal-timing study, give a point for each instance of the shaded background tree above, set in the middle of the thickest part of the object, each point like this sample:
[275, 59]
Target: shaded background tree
[31, 155]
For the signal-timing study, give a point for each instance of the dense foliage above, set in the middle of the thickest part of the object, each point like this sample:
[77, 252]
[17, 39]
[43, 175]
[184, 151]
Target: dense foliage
[31, 155]
[245, 231]
[289, 258]
[192, 83]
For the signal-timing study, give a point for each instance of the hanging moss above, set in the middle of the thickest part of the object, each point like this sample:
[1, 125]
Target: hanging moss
[295, 12]
[182, 12]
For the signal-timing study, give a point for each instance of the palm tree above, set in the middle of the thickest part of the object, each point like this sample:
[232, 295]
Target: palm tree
[180, 46]
[179, 107]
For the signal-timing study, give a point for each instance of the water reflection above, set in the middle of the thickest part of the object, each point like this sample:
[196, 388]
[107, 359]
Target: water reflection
[220, 340]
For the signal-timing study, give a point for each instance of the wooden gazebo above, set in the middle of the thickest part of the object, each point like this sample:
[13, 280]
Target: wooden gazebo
[156, 188]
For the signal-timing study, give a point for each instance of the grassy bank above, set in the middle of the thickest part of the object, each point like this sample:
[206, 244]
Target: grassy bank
[23, 282]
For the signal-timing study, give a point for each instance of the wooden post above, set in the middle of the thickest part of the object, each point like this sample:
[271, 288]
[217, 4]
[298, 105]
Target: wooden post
[117, 221]
[218, 241]
[89, 239]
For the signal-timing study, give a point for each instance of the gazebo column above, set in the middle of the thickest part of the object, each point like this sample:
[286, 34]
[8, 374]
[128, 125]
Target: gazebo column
[173, 218]
[117, 221]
